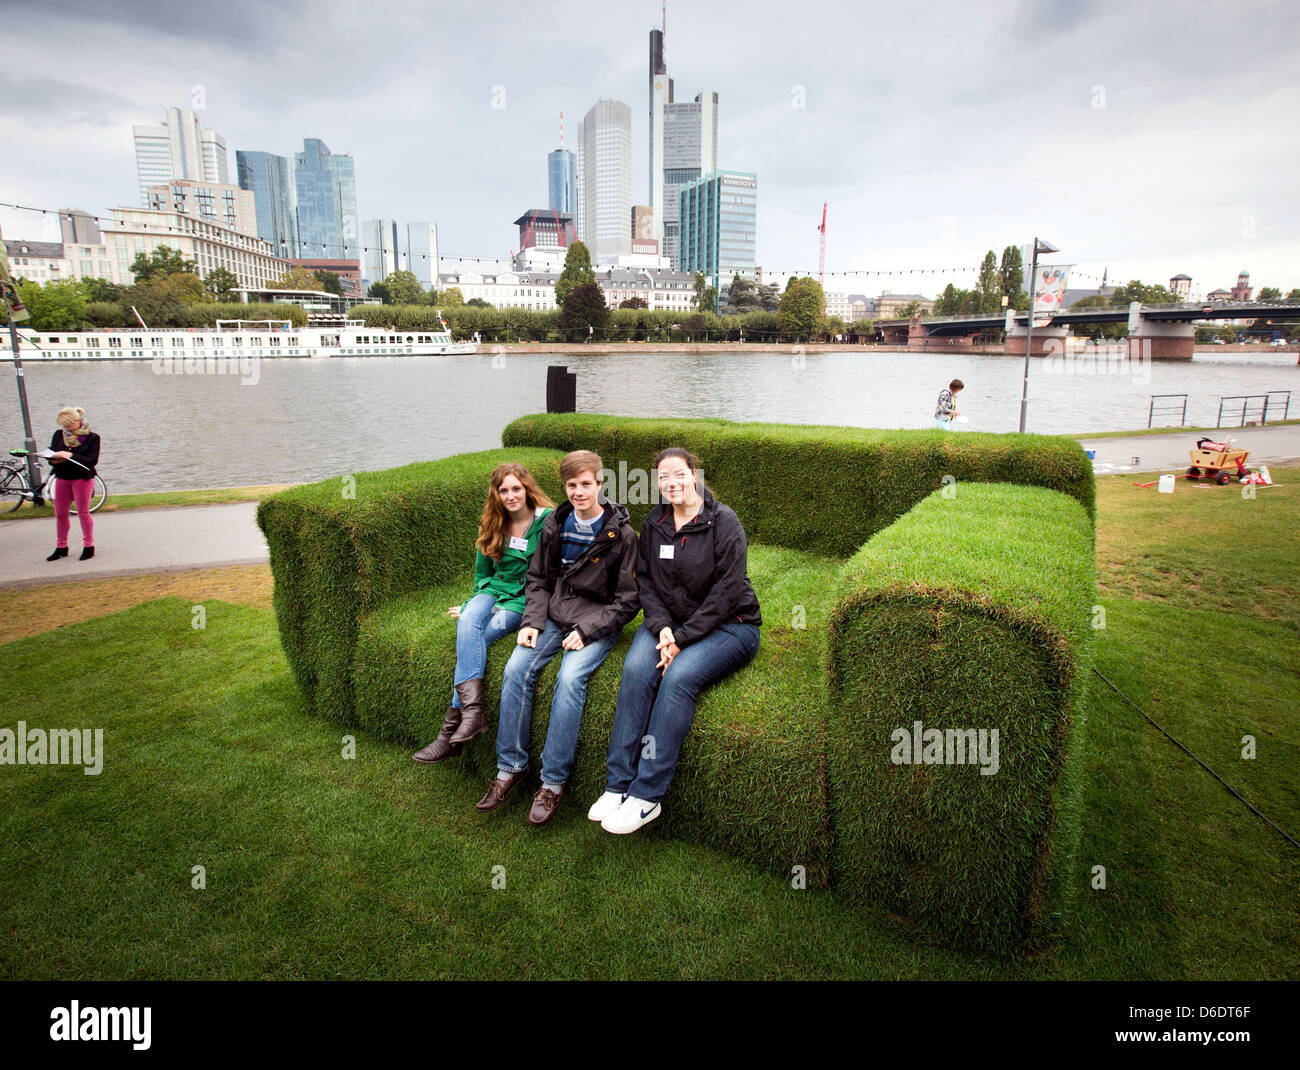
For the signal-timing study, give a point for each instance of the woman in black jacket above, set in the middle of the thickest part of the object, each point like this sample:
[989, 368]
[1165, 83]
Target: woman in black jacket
[75, 454]
[701, 623]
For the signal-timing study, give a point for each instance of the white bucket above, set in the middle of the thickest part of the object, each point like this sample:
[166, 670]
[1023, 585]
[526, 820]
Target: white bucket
[1166, 484]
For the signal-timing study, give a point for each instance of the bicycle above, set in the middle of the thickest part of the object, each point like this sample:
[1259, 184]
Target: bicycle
[16, 488]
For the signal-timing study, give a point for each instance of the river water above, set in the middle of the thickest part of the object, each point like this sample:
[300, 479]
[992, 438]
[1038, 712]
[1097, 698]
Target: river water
[302, 420]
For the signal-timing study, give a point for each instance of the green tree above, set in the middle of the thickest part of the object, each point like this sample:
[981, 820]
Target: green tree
[912, 308]
[990, 284]
[802, 308]
[329, 282]
[477, 302]
[296, 278]
[1011, 273]
[584, 307]
[1294, 295]
[379, 290]
[221, 284]
[742, 296]
[1135, 290]
[101, 290]
[450, 298]
[1269, 293]
[706, 296]
[162, 262]
[1228, 333]
[577, 272]
[769, 296]
[404, 288]
[56, 306]
[635, 302]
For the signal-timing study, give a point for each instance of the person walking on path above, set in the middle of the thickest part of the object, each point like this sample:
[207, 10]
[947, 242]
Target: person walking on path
[946, 411]
[75, 452]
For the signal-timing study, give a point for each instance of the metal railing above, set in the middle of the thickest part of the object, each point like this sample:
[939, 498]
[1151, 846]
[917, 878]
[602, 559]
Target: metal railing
[1254, 405]
[1175, 406]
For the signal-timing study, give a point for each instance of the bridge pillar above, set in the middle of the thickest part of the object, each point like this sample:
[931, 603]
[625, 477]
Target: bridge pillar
[1046, 340]
[1156, 340]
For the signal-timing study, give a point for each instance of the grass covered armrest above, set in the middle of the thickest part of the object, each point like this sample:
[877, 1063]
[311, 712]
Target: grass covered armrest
[957, 665]
[343, 547]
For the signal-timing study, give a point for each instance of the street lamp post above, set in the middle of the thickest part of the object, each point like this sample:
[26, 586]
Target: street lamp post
[1040, 246]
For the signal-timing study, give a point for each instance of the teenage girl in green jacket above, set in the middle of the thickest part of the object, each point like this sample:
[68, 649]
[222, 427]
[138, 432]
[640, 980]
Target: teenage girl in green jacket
[507, 536]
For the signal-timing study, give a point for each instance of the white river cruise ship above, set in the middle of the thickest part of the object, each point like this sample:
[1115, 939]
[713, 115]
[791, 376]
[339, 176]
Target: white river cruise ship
[233, 339]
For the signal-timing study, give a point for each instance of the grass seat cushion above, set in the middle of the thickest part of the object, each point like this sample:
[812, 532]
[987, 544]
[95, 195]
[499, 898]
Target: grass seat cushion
[752, 776]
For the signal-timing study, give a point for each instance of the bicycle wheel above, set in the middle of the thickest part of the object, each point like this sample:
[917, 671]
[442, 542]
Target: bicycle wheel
[98, 495]
[13, 488]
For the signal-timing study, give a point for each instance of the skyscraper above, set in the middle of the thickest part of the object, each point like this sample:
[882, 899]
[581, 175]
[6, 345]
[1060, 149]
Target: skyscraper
[561, 181]
[327, 202]
[683, 145]
[271, 179]
[391, 246]
[719, 224]
[178, 147]
[606, 167]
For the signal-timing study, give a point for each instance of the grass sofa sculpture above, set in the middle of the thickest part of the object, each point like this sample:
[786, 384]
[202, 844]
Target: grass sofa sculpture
[909, 581]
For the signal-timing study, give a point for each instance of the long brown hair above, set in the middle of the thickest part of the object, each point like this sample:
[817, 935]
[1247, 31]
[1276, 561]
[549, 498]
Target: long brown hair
[492, 527]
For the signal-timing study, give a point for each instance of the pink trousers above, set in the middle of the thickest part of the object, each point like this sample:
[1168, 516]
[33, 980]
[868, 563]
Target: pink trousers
[65, 490]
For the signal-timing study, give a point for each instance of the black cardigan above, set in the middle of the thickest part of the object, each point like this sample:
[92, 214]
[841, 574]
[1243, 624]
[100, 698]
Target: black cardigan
[87, 453]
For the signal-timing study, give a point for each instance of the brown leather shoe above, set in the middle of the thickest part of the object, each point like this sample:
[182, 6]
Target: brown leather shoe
[442, 747]
[498, 790]
[544, 804]
[471, 711]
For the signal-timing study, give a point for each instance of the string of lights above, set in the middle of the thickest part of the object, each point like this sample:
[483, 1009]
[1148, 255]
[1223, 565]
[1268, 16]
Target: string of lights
[351, 251]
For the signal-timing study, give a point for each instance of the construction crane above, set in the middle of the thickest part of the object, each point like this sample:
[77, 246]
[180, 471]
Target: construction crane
[821, 258]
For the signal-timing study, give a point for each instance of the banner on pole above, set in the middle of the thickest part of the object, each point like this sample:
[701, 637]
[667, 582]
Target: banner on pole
[1049, 287]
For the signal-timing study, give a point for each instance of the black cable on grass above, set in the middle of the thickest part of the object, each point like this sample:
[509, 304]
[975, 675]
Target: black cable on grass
[1286, 835]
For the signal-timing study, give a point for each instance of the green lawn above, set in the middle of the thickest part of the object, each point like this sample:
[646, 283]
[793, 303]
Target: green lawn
[319, 866]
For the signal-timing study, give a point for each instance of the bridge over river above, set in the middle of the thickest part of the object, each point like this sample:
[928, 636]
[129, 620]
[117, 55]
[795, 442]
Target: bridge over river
[1155, 332]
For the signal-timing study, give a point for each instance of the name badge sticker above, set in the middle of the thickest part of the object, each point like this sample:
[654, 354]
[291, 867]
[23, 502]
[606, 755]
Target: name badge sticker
[516, 543]
[666, 550]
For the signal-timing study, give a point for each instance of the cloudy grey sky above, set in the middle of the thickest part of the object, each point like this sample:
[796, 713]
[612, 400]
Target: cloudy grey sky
[1149, 138]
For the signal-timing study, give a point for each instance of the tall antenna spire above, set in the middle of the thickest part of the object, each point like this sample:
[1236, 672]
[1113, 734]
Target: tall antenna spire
[561, 131]
[665, 24]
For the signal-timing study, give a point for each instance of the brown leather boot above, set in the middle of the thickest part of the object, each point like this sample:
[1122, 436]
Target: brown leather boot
[471, 711]
[442, 747]
[499, 789]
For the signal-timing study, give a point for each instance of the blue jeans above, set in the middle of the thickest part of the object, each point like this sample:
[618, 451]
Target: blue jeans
[655, 712]
[481, 624]
[522, 670]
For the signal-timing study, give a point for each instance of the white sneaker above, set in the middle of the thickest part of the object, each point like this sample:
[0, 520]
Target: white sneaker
[631, 816]
[605, 805]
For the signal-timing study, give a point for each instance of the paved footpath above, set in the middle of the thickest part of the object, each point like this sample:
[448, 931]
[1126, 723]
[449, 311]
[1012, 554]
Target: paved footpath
[1168, 453]
[134, 541]
[209, 536]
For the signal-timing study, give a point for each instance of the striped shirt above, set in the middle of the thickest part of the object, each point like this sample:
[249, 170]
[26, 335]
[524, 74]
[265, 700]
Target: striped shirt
[576, 535]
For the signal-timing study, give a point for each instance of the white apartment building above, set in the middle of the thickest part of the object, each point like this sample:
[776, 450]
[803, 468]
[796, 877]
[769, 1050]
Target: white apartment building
[178, 147]
[505, 289]
[44, 261]
[210, 245]
[535, 290]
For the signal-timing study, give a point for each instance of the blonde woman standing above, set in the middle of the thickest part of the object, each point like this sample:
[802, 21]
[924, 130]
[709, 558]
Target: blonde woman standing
[75, 452]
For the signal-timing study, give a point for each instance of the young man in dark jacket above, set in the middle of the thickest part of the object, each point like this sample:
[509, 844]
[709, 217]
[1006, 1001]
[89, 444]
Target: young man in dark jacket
[580, 591]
